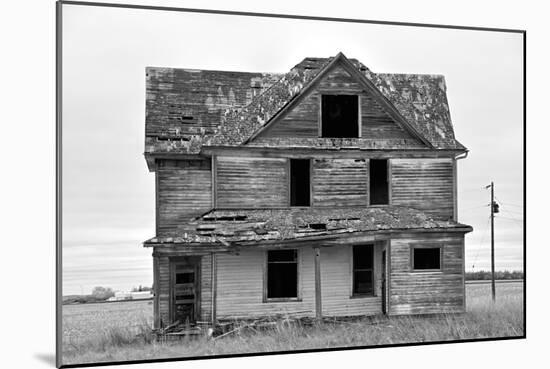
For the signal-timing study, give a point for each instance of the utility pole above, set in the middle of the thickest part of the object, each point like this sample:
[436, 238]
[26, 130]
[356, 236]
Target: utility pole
[493, 241]
[494, 209]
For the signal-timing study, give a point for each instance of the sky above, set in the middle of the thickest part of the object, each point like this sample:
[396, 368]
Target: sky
[108, 193]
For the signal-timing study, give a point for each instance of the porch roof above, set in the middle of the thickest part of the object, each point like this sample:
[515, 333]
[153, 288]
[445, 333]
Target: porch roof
[230, 226]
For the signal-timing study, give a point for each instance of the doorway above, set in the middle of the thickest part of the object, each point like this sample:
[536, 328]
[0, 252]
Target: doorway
[185, 290]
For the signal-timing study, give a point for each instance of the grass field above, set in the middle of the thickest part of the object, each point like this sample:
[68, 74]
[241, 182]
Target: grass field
[120, 331]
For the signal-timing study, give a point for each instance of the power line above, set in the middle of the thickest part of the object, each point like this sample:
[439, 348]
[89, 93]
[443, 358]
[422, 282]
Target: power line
[513, 215]
[508, 204]
[473, 208]
[486, 228]
[512, 211]
[516, 219]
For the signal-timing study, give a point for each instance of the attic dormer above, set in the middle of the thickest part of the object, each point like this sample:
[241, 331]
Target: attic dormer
[341, 107]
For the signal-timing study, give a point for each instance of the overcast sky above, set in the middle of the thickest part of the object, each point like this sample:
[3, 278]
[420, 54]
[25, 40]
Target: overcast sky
[108, 193]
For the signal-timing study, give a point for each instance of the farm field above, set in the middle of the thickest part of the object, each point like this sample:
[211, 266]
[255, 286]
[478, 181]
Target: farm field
[120, 331]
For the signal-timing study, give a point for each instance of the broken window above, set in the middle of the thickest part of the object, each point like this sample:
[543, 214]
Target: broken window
[299, 182]
[185, 278]
[282, 274]
[339, 115]
[378, 177]
[363, 274]
[426, 258]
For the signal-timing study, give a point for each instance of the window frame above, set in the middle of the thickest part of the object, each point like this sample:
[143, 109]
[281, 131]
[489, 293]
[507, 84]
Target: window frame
[298, 297]
[388, 180]
[372, 270]
[359, 118]
[289, 171]
[441, 253]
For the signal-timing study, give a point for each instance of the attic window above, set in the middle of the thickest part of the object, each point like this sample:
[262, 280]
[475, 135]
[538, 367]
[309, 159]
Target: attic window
[340, 116]
[282, 274]
[378, 177]
[299, 182]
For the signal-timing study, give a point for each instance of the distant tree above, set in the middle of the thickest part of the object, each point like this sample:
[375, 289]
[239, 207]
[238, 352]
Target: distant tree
[141, 288]
[486, 275]
[102, 293]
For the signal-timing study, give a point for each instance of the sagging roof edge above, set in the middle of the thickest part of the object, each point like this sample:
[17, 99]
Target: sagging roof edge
[385, 232]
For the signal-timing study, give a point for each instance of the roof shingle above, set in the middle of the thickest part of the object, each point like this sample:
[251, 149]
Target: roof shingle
[240, 225]
[229, 114]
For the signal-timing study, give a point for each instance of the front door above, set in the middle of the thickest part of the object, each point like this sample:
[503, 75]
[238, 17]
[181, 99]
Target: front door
[185, 290]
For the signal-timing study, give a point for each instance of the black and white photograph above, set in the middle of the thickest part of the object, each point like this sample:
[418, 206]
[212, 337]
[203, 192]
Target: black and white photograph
[232, 184]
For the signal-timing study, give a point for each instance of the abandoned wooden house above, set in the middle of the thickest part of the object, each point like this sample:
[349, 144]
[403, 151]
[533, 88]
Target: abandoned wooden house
[330, 190]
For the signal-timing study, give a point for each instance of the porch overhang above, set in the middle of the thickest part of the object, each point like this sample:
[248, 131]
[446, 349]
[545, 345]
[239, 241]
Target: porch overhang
[176, 246]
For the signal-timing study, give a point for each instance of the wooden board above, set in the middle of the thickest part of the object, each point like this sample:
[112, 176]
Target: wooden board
[251, 182]
[184, 190]
[419, 292]
[339, 182]
[423, 184]
[240, 286]
[164, 290]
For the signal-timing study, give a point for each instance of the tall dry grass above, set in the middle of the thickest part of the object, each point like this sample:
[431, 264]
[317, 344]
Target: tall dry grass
[483, 319]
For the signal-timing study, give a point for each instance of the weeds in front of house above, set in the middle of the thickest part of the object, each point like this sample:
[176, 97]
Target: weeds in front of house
[483, 319]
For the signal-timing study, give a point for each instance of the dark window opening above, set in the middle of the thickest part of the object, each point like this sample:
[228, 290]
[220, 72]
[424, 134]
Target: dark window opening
[378, 176]
[339, 114]
[185, 297]
[185, 278]
[282, 274]
[318, 226]
[427, 258]
[299, 182]
[363, 270]
[224, 217]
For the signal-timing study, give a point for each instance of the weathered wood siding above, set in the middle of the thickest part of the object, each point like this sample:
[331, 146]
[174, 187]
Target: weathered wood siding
[302, 121]
[240, 286]
[424, 184]
[247, 182]
[184, 191]
[206, 287]
[376, 123]
[417, 292]
[337, 286]
[339, 182]
[164, 289]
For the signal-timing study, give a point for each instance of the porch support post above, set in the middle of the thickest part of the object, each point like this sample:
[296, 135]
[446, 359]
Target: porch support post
[213, 277]
[318, 304]
[156, 293]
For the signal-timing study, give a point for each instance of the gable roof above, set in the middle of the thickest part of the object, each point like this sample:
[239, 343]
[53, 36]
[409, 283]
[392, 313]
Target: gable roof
[353, 70]
[418, 102]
